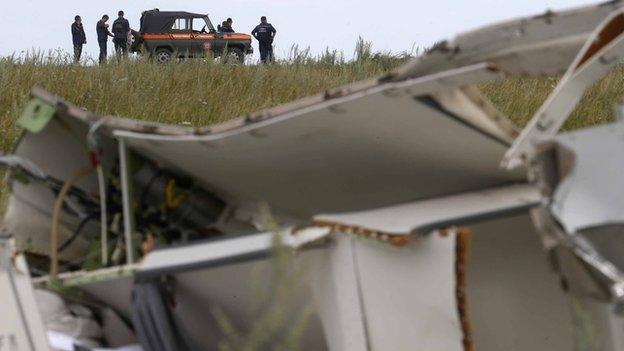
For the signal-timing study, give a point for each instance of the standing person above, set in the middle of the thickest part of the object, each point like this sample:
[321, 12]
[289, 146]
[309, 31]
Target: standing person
[229, 24]
[102, 35]
[226, 26]
[264, 34]
[121, 28]
[79, 37]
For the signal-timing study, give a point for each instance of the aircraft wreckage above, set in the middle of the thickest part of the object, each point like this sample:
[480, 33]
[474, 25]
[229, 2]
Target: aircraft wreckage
[422, 219]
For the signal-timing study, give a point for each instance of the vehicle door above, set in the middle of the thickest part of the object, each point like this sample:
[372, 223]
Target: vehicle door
[203, 37]
[182, 36]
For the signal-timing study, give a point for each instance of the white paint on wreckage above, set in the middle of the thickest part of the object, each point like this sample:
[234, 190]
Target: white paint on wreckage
[412, 144]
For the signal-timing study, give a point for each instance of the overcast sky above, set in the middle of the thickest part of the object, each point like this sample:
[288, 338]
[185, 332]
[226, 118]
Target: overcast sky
[396, 25]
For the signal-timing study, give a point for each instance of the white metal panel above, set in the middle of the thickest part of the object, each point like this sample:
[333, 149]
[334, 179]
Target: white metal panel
[515, 301]
[59, 150]
[337, 296]
[544, 44]
[222, 250]
[445, 211]
[232, 286]
[591, 194]
[602, 51]
[381, 148]
[199, 292]
[408, 294]
[21, 326]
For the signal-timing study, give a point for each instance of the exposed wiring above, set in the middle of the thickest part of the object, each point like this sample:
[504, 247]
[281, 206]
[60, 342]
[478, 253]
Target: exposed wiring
[88, 256]
[56, 214]
[27, 169]
[76, 233]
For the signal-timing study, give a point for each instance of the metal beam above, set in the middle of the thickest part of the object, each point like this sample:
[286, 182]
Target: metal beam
[125, 191]
[600, 53]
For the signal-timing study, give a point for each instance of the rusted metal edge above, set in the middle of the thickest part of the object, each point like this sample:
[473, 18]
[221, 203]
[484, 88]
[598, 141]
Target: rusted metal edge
[610, 32]
[394, 239]
[462, 254]
[409, 234]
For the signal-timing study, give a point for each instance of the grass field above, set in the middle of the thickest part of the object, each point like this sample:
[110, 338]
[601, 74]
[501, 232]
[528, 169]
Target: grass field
[200, 93]
[193, 92]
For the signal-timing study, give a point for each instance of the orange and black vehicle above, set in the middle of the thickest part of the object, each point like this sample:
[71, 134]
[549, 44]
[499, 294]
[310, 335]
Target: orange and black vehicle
[175, 34]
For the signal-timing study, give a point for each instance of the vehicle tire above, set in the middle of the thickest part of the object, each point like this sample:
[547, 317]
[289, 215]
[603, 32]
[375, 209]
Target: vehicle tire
[235, 55]
[163, 55]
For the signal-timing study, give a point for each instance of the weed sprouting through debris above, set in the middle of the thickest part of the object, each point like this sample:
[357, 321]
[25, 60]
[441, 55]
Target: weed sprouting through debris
[279, 321]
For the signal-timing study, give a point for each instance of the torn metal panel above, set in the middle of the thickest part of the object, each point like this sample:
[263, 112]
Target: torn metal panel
[442, 212]
[589, 263]
[460, 76]
[590, 194]
[408, 294]
[21, 325]
[29, 210]
[583, 224]
[201, 276]
[337, 296]
[224, 251]
[292, 157]
[544, 44]
[515, 301]
[598, 56]
[199, 292]
[290, 150]
[469, 104]
[407, 153]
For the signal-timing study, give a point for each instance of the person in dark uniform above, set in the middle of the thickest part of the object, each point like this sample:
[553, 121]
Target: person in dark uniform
[79, 37]
[229, 22]
[102, 35]
[121, 28]
[265, 34]
[226, 26]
